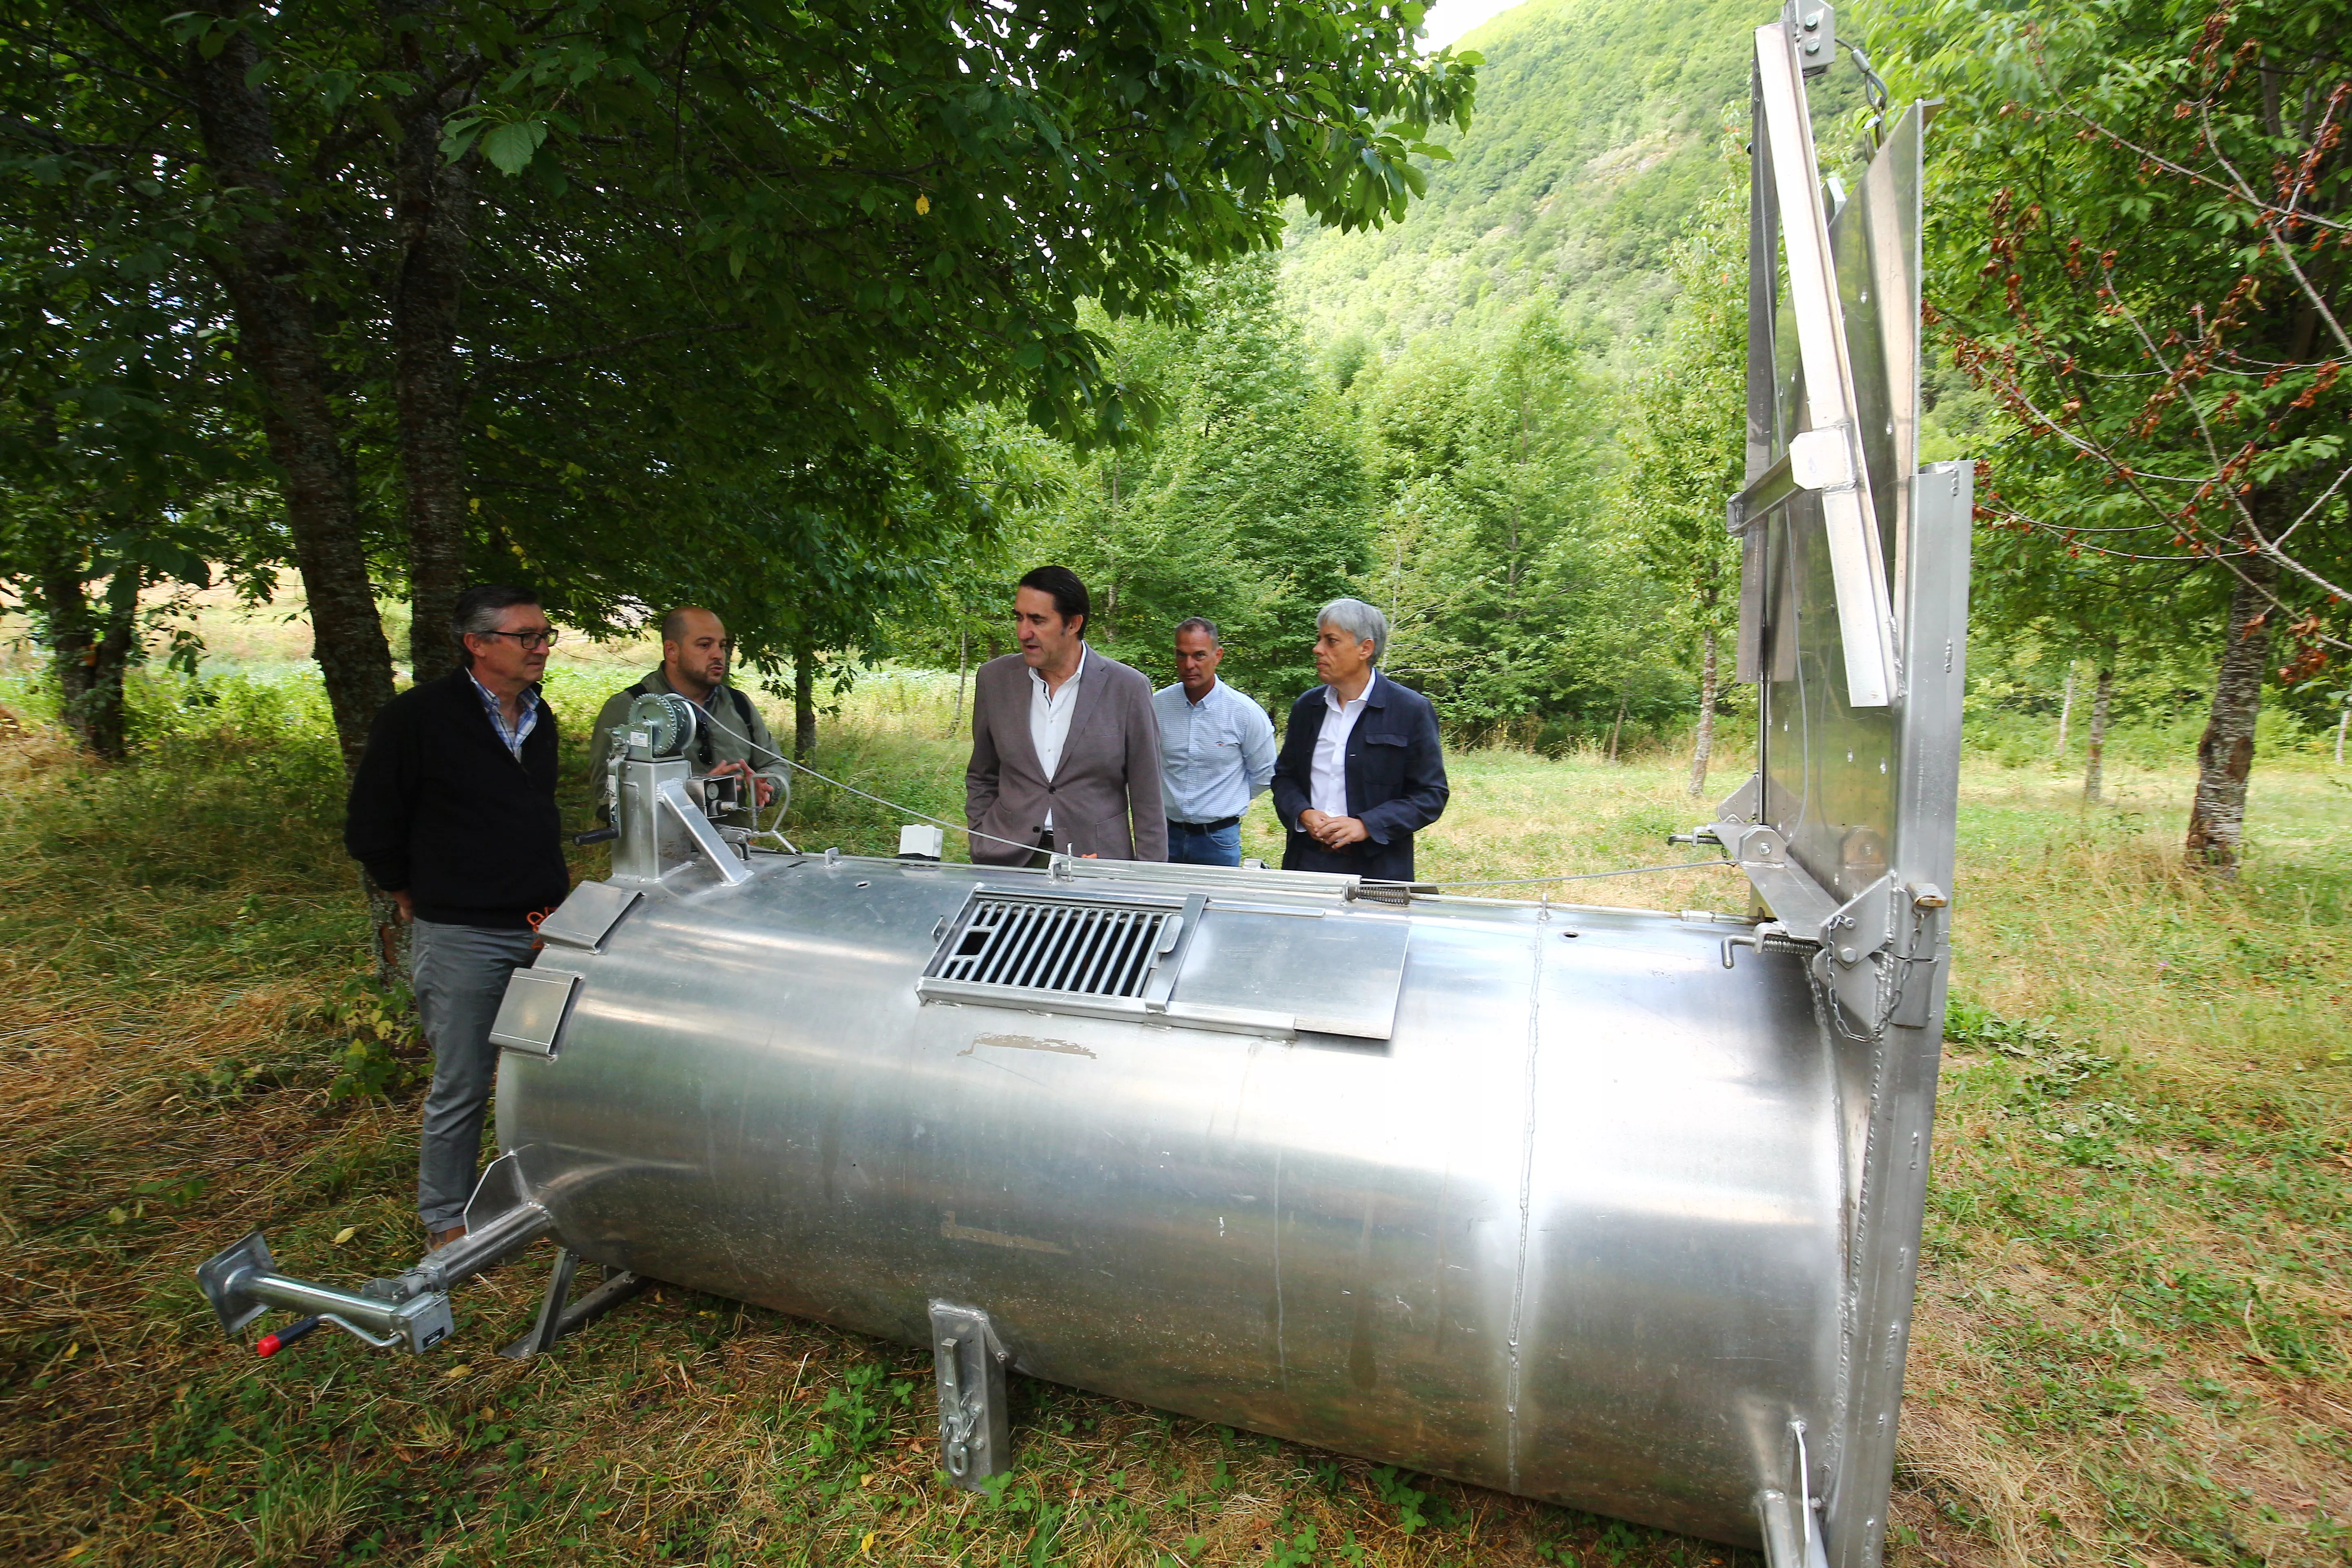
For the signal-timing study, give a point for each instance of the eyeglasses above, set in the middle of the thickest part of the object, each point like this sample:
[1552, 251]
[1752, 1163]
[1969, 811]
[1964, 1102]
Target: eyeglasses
[530, 640]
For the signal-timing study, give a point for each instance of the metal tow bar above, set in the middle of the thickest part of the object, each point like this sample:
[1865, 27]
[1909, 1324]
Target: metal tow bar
[410, 1311]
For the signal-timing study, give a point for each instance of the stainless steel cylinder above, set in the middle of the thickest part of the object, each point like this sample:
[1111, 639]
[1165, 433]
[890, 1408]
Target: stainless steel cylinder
[1571, 1230]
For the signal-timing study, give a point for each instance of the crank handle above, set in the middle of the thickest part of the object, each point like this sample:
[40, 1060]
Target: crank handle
[1769, 937]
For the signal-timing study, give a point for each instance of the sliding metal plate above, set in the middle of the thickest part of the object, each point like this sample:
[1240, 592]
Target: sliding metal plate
[1315, 973]
[530, 1015]
[586, 918]
[1833, 405]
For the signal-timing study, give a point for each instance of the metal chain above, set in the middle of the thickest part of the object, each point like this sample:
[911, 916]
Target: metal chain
[1893, 980]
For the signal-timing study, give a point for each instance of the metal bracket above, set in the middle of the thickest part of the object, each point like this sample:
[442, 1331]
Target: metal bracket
[586, 918]
[558, 1315]
[1167, 960]
[1745, 803]
[1801, 904]
[975, 1440]
[1813, 29]
[531, 1015]
[1791, 1531]
[673, 796]
[1819, 460]
[1857, 945]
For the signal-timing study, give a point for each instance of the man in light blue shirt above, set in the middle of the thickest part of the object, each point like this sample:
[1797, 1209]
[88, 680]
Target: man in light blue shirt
[1216, 751]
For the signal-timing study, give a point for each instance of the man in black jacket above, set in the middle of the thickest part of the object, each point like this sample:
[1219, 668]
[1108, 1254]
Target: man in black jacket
[1360, 769]
[453, 813]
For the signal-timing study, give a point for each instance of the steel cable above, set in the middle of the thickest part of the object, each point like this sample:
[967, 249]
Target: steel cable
[1532, 881]
[1373, 882]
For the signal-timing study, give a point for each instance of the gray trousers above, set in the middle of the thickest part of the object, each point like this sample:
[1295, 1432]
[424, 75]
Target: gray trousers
[459, 975]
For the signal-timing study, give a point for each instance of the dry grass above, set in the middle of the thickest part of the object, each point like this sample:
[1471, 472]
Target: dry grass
[2132, 1341]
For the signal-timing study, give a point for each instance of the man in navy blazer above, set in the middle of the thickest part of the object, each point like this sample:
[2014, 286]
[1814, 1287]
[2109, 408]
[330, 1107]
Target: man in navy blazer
[1360, 770]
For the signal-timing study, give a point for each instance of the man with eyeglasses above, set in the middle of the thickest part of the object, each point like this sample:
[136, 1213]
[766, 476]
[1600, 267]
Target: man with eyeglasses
[732, 738]
[453, 813]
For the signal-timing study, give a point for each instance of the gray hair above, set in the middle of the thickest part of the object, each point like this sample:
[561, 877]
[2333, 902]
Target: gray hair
[479, 610]
[1201, 623]
[1359, 620]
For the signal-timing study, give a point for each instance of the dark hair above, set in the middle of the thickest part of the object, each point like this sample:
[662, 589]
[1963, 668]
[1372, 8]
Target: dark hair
[479, 609]
[673, 624]
[1202, 624]
[1069, 595]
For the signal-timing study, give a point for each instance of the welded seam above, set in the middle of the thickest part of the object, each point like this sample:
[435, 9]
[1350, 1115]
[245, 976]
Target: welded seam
[1526, 1216]
[1281, 1356]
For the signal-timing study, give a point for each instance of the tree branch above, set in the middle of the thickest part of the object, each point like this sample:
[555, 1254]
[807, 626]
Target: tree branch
[512, 367]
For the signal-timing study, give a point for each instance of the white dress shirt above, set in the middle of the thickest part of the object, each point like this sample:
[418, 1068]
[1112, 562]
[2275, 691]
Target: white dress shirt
[1328, 778]
[1049, 719]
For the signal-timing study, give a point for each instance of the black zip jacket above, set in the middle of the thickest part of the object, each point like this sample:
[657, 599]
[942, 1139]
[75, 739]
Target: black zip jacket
[442, 811]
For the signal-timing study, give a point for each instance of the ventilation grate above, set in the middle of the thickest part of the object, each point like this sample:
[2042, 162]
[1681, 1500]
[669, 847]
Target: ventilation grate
[1078, 948]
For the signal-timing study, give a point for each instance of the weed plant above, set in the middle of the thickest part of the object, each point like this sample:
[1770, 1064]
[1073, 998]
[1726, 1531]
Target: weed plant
[2131, 1348]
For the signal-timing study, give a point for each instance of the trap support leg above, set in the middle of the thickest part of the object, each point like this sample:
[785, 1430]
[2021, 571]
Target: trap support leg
[974, 1430]
[557, 1318]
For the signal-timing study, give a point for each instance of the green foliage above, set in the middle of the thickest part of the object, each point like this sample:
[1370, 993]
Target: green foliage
[856, 1413]
[731, 282]
[1416, 1507]
[2049, 1060]
[2112, 257]
[1248, 505]
[1512, 596]
[1686, 440]
[387, 1054]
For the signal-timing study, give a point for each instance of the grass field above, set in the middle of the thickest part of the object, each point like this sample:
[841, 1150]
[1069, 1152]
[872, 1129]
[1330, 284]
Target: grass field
[2133, 1341]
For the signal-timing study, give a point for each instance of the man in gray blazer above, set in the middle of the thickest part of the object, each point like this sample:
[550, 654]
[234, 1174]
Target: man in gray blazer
[1065, 749]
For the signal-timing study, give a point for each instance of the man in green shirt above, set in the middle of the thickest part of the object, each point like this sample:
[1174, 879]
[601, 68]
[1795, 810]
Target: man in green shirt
[731, 736]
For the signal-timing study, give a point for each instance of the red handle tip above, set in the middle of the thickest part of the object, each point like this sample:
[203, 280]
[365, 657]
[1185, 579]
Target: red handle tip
[270, 1345]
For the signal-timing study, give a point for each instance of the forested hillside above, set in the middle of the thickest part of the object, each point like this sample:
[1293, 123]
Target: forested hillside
[1597, 131]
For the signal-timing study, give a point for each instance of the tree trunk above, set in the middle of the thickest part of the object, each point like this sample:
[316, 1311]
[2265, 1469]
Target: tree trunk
[1704, 750]
[89, 653]
[65, 612]
[803, 704]
[1616, 728]
[963, 665]
[2066, 709]
[2343, 722]
[2102, 701]
[2225, 756]
[261, 265]
[432, 202]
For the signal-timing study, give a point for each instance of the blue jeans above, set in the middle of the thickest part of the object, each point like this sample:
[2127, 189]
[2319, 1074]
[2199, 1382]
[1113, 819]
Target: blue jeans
[1192, 846]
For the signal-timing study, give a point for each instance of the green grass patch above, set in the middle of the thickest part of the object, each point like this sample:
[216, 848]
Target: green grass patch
[2132, 1343]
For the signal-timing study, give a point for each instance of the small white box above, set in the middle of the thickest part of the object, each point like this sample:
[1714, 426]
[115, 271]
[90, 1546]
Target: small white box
[918, 842]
